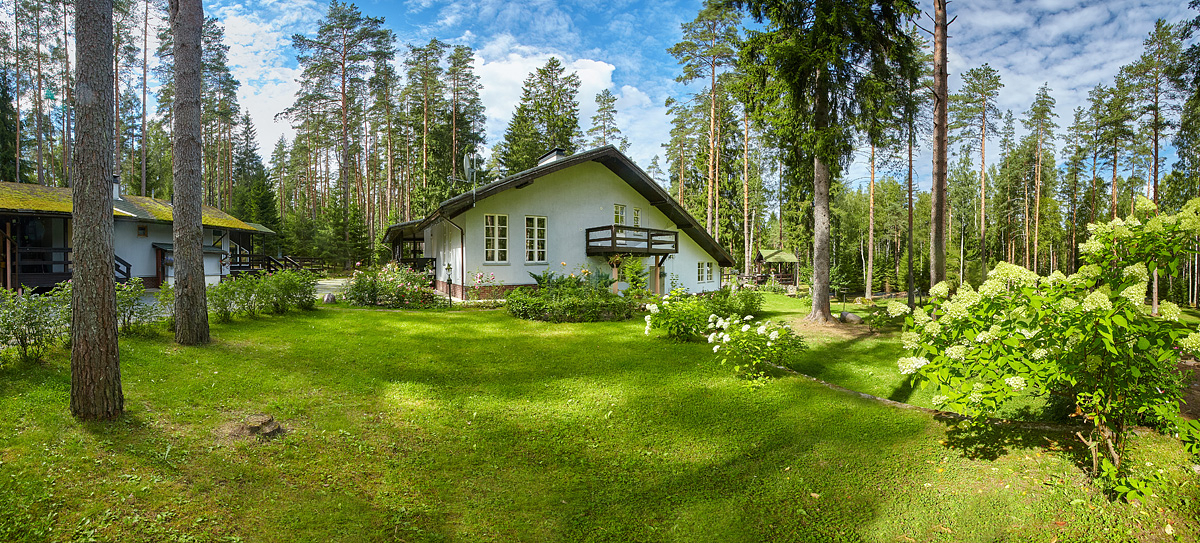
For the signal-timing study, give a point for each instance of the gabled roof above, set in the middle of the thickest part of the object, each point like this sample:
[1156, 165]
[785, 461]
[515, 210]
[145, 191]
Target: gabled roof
[776, 255]
[609, 157]
[30, 198]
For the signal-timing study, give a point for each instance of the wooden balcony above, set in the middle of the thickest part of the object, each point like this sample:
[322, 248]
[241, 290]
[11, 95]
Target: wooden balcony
[621, 239]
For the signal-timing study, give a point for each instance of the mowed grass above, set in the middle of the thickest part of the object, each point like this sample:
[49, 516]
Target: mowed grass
[474, 426]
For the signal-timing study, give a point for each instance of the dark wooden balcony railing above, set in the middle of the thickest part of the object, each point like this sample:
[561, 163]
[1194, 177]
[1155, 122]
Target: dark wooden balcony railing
[419, 264]
[39, 267]
[621, 239]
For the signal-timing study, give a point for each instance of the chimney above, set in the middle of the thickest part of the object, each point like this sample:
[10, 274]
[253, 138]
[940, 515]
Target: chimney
[554, 154]
[116, 187]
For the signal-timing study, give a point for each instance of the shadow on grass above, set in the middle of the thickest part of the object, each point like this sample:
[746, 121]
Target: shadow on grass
[990, 441]
[903, 392]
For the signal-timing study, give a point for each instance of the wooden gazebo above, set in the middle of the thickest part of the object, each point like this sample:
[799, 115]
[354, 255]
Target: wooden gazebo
[774, 263]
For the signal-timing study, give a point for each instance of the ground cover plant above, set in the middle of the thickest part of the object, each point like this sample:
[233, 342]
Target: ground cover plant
[418, 426]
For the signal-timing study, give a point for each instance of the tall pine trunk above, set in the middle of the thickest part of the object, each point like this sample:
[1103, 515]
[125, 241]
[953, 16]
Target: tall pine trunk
[1037, 202]
[191, 308]
[870, 287]
[145, 77]
[937, 245]
[95, 359]
[983, 256]
[821, 181]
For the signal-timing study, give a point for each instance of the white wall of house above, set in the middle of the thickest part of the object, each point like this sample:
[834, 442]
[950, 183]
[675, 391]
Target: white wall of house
[572, 200]
[139, 251]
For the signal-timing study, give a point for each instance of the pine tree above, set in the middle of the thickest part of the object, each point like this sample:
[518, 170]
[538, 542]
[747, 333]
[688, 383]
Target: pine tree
[547, 117]
[333, 63]
[824, 79]
[973, 111]
[604, 129]
[95, 360]
[1039, 120]
[709, 47]
[191, 306]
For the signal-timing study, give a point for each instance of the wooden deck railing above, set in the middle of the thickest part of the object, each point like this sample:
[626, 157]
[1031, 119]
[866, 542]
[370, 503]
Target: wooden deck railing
[621, 239]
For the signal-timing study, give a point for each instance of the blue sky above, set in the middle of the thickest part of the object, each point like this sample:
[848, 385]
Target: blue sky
[621, 45]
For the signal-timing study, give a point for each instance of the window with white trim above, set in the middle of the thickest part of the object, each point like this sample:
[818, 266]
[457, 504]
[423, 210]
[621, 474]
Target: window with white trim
[637, 217]
[699, 272]
[618, 213]
[708, 271]
[495, 238]
[535, 239]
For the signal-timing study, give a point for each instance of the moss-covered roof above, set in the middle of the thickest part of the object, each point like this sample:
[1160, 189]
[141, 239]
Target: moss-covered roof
[29, 198]
[777, 255]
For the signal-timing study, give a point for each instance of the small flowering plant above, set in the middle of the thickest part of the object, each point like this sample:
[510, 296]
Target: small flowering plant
[752, 347]
[679, 314]
[1088, 336]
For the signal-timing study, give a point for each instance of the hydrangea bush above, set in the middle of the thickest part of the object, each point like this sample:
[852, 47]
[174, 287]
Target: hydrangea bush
[685, 316]
[752, 347]
[1088, 337]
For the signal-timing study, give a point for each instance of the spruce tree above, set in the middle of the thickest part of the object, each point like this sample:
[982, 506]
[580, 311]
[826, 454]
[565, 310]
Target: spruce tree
[547, 117]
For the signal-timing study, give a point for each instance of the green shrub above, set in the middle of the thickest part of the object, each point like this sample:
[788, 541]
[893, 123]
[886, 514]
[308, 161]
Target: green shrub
[31, 322]
[132, 314]
[568, 306]
[222, 300]
[753, 347]
[576, 297]
[680, 315]
[391, 286]
[683, 316]
[1088, 336]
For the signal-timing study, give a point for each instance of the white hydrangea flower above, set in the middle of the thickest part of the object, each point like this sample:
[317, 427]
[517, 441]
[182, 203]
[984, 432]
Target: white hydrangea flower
[993, 287]
[1091, 246]
[716, 348]
[1169, 311]
[1136, 294]
[1191, 343]
[953, 311]
[712, 337]
[653, 308]
[1067, 304]
[1029, 334]
[940, 290]
[745, 327]
[975, 397]
[895, 308]
[920, 317]
[1039, 354]
[910, 340]
[910, 364]
[748, 317]
[1096, 301]
[768, 344]
[1136, 272]
[774, 335]
[1054, 278]
[1016, 383]
[956, 352]
[1153, 226]
[932, 328]
[1144, 205]
[724, 338]
[939, 400]
[712, 317]
[762, 330]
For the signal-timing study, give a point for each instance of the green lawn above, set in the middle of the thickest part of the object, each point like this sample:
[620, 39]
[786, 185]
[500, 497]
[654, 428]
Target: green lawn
[473, 426]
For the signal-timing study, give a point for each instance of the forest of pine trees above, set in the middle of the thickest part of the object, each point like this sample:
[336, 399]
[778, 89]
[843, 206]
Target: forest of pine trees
[382, 129]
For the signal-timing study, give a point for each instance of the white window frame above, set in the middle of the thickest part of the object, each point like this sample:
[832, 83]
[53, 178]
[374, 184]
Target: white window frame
[708, 272]
[532, 241]
[497, 234]
[699, 272]
[619, 214]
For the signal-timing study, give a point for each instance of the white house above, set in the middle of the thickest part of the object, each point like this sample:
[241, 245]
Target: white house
[36, 230]
[567, 213]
